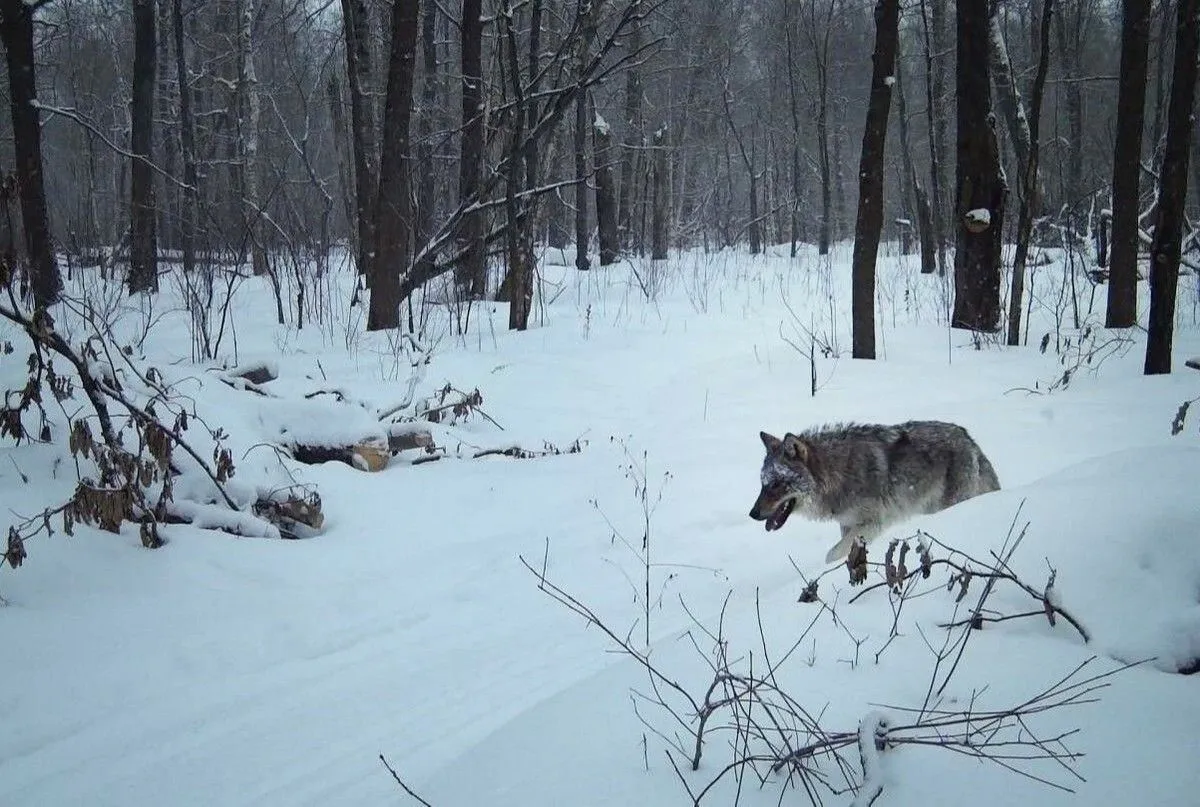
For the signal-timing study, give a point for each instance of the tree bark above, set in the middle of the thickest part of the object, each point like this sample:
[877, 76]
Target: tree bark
[938, 51]
[1172, 195]
[1008, 94]
[606, 195]
[869, 222]
[1121, 311]
[16, 31]
[356, 22]
[979, 200]
[394, 223]
[143, 245]
[658, 225]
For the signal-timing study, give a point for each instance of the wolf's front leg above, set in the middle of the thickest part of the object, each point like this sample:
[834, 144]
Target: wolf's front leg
[868, 531]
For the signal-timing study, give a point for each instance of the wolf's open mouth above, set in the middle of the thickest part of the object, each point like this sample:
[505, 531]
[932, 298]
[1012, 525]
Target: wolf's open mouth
[780, 515]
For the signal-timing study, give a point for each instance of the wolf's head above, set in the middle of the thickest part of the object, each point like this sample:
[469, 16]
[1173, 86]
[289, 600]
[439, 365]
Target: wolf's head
[787, 479]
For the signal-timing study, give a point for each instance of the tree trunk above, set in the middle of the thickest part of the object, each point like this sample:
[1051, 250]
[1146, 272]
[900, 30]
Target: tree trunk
[979, 200]
[940, 104]
[472, 271]
[1008, 94]
[248, 86]
[1121, 311]
[519, 232]
[794, 108]
[658, 225]
[1172, 195]
[356, 22]
[143, 246]
[606, 196]
[16, 31]
[1030, 186]
[394, 223]
[869, 222]
[187, 139]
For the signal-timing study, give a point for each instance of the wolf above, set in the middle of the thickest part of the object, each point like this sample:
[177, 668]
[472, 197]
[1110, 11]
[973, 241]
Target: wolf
[867, 477]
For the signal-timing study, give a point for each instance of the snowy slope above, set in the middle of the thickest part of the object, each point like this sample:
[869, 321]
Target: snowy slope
[223, 670]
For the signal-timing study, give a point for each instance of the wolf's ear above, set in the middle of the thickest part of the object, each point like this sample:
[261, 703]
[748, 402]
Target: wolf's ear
[770, 441]
[794, 448]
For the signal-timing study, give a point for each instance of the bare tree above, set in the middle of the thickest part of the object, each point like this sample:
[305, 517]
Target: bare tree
[16, 32]
[1172, 193]
[143, 245]
[1030, 187]
[606, 193]
[979, 199]
[187, 134]
[869, 223]
[394, 222]
[1126, 164]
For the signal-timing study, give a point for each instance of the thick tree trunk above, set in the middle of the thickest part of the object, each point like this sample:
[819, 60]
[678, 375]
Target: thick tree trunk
[659, 200]
[1121, 311]
[356, 21]
[1068, 28]
[16, 31]
[1030, 187]
[582, 231]
[606, 194]
[979, 200]
[869, 222]
[472, 271]
[1172, 195]
[394, 223]
[143, 245]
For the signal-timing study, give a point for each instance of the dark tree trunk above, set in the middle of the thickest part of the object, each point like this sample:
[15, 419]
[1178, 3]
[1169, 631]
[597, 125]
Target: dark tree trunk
[659, 194]
[869, 222]
[519, 232]
[1030, 186]
[143, 246]
[606, 194]
[794, 108]
[472, 271]
[16, 30]
[979, 200]
[1131, 107]
[1172, 195]
[187, 139]
[394, 225]
[356, 22]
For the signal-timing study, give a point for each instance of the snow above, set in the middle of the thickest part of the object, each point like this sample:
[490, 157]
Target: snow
[889, 80]
[240, 670]
[980, 215]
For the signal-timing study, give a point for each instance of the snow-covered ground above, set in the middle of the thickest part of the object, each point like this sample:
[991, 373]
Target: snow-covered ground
[231, 671]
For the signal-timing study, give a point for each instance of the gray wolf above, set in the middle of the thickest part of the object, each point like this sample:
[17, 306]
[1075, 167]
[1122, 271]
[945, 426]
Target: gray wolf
[868, 477]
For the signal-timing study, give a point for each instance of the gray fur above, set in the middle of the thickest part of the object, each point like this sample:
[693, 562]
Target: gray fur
[868, 477]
